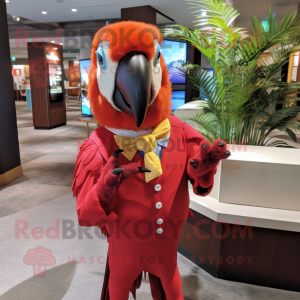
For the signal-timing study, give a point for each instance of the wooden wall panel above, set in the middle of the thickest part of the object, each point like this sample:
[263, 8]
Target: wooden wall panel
[197, 60]
[57, 113]
[247, 254]
[9, 143]
[57, 110]
[46, 114]
[197, 238]
[38, 81]
[145, 14]
[193, 56]
[189, 89]
[275, 254]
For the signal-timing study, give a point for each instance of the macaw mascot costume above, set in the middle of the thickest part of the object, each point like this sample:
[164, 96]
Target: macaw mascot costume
[131, 175]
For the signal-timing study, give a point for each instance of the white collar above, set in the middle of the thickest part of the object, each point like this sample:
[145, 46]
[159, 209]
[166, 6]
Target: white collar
[129, 133]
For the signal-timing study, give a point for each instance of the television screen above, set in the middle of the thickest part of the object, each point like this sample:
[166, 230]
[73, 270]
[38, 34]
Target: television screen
[174, 54]
[55, 82]
[210, 72]
[178, 99]
[84, 66]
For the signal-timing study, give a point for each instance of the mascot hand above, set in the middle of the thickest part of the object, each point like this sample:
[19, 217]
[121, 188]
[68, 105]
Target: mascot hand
[203, 165]
[208, 157]
[112, 175]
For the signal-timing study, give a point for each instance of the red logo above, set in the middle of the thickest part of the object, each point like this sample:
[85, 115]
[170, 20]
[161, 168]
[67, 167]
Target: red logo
[39, 258]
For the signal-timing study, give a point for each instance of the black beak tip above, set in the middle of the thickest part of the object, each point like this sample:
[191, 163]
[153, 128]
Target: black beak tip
[139, 123]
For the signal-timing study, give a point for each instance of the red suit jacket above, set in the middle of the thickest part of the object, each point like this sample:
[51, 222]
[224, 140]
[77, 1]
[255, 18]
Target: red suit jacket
[141, 206]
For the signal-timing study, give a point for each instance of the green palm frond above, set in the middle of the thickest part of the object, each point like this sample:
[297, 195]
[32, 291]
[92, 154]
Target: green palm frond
[287, 32]
[207, 125]
[238, 103]
[281, 144]
[218, 13]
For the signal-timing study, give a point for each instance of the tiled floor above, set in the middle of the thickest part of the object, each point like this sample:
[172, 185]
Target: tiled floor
[48, 158]
[41, 197]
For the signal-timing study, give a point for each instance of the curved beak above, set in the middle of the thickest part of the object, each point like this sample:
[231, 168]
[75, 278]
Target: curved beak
[132, 92]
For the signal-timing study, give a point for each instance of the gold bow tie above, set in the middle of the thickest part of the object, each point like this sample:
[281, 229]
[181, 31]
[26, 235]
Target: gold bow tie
[147, 144]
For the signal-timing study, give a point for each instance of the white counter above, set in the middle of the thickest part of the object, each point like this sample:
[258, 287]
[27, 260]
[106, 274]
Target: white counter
[266, 177]
[257, 184]
[257, 216]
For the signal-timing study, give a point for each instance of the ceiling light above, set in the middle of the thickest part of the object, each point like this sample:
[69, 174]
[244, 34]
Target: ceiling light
[61, 44]
[53, 42]
[55, 48]
[16, 18]
[44, 12]
[74, 9]
[203, 14]
[7, 1]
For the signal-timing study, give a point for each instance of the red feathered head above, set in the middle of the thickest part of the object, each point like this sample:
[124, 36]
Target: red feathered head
[129, 85]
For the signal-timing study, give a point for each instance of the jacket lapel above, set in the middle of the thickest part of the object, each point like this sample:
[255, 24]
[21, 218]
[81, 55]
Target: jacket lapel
[174, 156]
[105, 142]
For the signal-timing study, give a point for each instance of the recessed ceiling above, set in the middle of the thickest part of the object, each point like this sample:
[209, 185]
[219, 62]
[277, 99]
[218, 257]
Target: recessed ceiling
[90, 9]
[61, 10]
[90, 13]
[260, 9]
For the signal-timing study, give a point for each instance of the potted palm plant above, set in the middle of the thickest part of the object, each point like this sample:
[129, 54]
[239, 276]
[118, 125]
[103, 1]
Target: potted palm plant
[238, 102]
[246, 101]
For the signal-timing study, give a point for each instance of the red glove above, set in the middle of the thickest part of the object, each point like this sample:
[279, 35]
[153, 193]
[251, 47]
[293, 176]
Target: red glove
[203, 165]
[111, 178]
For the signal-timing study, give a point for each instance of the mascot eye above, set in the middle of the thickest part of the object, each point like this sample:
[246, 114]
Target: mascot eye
[101, 57]
[157, 55]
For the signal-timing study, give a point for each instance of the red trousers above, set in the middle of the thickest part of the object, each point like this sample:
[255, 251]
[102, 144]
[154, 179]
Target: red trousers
[128, 259]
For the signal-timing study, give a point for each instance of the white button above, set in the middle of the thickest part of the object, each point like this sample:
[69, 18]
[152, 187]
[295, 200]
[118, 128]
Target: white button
[159, 231]
[158, 205]
[159, 221]
[157, 187]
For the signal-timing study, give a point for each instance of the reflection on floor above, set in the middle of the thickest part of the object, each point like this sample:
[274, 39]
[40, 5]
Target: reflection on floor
[37, 209]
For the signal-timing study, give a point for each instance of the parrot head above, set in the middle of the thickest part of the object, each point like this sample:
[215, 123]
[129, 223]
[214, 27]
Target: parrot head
[129, 86]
